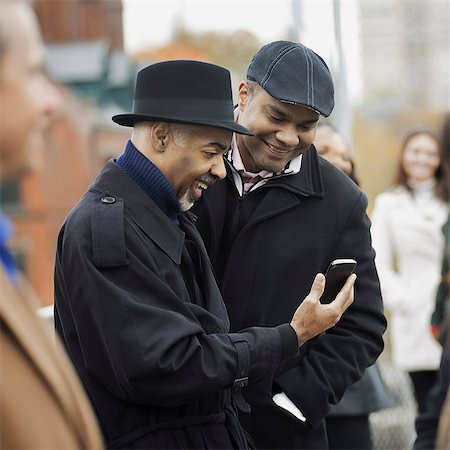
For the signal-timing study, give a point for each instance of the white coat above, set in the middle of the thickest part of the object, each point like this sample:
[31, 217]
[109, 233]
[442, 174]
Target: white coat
[409, 246]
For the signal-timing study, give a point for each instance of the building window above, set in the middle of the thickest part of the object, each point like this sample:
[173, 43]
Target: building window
[10, 199]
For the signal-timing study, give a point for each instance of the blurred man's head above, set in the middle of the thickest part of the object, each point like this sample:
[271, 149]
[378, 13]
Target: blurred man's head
[288, 87]
[27, 99]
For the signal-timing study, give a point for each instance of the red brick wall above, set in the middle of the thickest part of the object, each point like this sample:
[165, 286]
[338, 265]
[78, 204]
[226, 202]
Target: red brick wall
[80, 20]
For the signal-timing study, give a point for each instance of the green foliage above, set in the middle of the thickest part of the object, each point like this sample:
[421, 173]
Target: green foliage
[231, 50]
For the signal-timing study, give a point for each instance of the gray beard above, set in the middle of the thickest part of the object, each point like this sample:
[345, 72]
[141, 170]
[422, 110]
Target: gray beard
[185, 204]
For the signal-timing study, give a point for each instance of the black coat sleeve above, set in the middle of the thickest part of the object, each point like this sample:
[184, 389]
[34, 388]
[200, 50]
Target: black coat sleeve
[138, 337]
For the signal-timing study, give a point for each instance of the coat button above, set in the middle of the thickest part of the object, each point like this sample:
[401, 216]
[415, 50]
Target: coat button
[108, 199]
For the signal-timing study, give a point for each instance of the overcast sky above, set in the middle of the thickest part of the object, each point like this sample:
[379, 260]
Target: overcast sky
[149, 23]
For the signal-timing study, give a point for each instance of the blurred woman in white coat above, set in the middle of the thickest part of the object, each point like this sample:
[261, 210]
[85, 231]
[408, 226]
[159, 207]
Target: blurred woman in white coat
[407, 236]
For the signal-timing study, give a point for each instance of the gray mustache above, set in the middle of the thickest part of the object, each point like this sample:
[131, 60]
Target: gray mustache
[208, 179]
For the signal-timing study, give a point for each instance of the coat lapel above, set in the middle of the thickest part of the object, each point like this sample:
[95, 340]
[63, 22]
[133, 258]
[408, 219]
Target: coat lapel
[35, 340]
[141, 208]
[32, 338]
[212, 296]
[286, 192]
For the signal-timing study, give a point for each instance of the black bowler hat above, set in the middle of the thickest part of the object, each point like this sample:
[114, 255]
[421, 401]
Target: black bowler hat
[293, 73]
[190, 92]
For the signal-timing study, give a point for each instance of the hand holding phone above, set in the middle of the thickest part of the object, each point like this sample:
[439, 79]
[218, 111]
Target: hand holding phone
[312, 317]
[336, 276]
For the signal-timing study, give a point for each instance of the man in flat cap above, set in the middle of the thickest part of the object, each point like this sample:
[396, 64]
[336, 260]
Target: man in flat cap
[281, 215]
[137, 305]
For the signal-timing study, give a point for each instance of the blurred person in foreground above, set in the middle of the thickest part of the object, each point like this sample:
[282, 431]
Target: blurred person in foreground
[42, 403]
[287, 215]
[407, 236]
[136, 302]
[433, 425]
[347, 423]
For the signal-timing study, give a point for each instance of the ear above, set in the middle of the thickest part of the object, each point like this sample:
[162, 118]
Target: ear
[160, 136]
[243, 95]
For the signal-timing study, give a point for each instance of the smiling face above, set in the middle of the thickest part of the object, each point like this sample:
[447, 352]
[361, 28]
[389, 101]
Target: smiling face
[27, 98]
[190, 156]
[420, 158]
[282, 131]
[197, 160]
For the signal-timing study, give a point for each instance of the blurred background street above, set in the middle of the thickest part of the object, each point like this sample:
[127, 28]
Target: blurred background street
[390, 60]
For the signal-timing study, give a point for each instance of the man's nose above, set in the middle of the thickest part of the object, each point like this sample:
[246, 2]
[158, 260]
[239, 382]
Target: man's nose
[52, 99]
[218, 169]
[288, 135]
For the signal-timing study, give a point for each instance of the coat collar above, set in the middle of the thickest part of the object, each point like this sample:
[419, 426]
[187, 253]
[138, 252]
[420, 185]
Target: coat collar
[141, 208]
[308, 182]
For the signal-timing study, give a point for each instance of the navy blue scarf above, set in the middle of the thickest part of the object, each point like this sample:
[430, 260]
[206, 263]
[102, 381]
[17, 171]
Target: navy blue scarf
[150, 179]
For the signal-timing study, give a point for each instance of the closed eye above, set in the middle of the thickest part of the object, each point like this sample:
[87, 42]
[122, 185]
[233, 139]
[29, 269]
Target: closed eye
[275, 118]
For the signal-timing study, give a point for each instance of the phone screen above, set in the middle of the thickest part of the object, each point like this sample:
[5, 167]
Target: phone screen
[336, 276]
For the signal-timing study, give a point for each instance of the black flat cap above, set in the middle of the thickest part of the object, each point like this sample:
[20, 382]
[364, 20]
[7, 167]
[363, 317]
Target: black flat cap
[190, 92]
[293, 73]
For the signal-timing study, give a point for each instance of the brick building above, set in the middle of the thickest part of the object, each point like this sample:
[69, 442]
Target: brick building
[81, 137]
[79, 20]
[85, 57]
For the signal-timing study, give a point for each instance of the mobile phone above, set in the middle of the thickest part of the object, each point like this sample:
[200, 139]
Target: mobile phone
[336, 276]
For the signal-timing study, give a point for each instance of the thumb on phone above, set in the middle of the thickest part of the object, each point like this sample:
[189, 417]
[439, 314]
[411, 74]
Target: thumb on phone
[317, 287]
[312, 317]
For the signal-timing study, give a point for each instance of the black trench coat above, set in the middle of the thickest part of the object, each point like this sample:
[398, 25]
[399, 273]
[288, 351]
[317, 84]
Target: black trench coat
[151, 348]
[285, 232]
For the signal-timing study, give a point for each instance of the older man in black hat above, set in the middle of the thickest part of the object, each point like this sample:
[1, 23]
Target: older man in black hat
[137, 305]
[288, 213]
